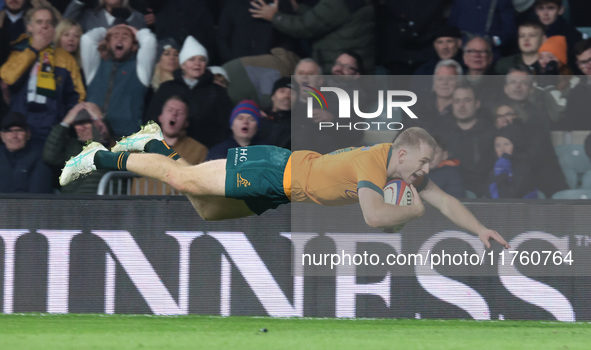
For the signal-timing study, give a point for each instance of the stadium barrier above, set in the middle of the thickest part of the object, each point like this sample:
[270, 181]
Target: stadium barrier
[154, 255]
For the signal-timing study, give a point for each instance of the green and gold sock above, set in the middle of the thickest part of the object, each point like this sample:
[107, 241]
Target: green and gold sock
[110, 160]
[160, 147]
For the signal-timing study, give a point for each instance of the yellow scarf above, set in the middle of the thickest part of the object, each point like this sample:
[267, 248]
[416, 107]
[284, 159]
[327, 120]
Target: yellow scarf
[45, 72]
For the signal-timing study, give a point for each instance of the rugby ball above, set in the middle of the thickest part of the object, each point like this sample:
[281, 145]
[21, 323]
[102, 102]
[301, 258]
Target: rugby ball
[397, 192]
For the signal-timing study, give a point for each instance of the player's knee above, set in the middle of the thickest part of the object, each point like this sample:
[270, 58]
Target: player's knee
[180, 182]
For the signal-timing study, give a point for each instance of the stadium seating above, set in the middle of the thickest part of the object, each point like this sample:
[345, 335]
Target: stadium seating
[471, 195]
[573, 157]
[572, 194]
[586, 180]
[572, 178]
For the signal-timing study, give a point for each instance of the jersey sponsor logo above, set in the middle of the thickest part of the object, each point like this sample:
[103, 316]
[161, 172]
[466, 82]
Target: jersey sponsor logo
[242, 152]
[351, 194]
[240, 181]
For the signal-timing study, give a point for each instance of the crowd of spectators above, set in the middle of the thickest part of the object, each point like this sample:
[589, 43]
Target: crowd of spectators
[501, 75]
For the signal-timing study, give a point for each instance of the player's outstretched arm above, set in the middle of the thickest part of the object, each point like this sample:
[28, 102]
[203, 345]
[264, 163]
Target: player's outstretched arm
[382, 215]
[459, 214]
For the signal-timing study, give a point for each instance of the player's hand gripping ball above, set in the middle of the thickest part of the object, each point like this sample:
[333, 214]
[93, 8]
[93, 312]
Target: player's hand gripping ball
[397, 192]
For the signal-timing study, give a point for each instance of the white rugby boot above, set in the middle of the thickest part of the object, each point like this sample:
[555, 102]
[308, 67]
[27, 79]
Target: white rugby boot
[82, 164]
[137, 141]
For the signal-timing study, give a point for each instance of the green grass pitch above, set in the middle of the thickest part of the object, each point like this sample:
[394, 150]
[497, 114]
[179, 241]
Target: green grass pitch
[74, 331]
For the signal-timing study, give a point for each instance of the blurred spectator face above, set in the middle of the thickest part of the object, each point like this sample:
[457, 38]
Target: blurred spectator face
[445, 81]
[584, 62]
[15, 138]
[518, 86]
[546, 57]
[504, 116]
[548, 13]
[307, 73]
[244, 126]
[194, 67]
[41, 22]
[503, 145]
[530, 39]
[84, 130]
[464, 104]
[438, 157]
[109, 4]
[14, 6]
[345, 65]
[477, 55]
[173, 118]
[169, 60]
[70, 40]
[447, 47]
[282, 99]
[121, 42]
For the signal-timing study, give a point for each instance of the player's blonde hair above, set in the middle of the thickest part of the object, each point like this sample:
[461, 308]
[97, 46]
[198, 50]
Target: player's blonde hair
[413, 137]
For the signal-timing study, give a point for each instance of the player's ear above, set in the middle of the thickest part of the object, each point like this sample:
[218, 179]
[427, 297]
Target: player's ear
[401, 156]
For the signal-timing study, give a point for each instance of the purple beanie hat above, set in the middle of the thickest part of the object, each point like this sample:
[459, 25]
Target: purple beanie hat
[248, 107]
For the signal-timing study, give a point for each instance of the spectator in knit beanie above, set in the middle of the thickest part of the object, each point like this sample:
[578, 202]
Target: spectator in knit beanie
[244, 122]
[554, 49]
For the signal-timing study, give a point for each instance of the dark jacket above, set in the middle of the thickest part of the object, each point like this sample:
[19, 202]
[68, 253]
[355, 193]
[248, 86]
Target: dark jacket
[576, 116]
[12, 30]
[335, 26]
[506, 63]
[472, 148]
[276, 128]
[61, 145]
[471, 16]
[209, 107]
[220, 151]
[428, 68]
[241, 35]
[179, 18]
[448, 177]
[544, 160]
[405, 31]
[23, 171]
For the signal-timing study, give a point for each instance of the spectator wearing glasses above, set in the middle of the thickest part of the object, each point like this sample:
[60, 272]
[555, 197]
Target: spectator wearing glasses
[21, 168]
[348, 63]
[478, 58]
[577, 107]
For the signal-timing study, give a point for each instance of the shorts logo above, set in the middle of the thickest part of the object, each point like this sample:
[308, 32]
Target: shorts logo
[241, 181]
